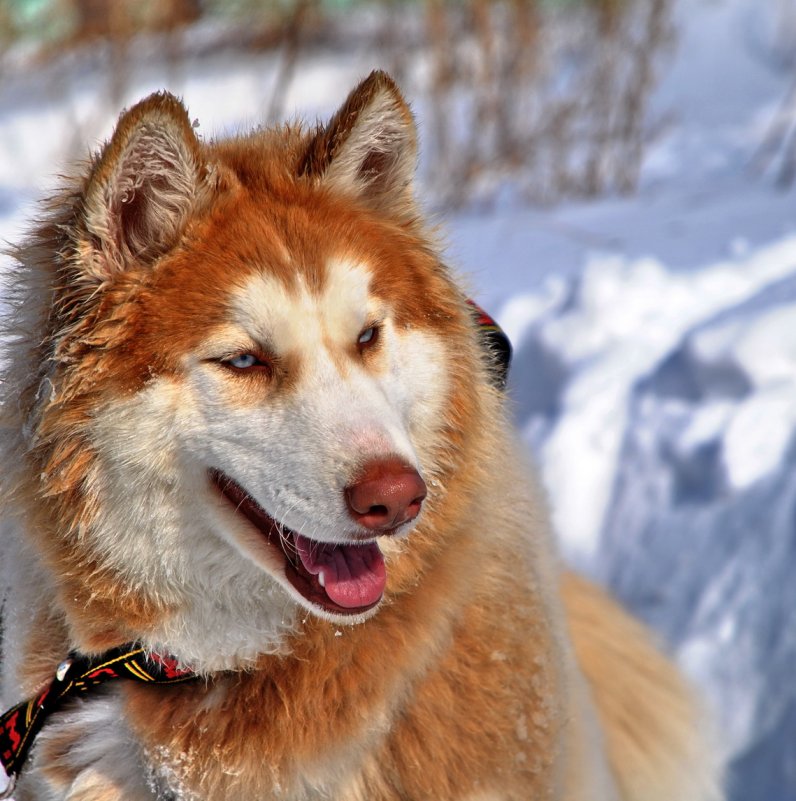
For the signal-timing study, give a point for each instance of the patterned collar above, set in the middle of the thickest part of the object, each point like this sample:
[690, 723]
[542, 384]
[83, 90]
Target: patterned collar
[75, 676]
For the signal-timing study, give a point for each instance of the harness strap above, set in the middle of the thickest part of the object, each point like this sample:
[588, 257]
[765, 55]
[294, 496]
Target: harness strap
[496, 344]
[76, 675]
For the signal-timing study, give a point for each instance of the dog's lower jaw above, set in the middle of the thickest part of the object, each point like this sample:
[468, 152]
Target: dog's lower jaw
[232, 623]
[336, 581]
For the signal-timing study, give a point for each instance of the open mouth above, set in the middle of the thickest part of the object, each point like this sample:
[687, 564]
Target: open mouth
[343, 579]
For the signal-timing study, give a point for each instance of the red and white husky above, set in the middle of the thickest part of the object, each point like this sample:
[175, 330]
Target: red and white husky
[248, 423]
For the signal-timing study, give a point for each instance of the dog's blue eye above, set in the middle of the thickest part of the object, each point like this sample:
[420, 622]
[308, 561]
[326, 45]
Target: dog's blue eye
[368, 336]
[243, 361]
[248, 363]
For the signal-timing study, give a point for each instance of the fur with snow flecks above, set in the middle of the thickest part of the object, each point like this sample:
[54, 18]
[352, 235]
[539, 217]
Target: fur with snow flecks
[134, 298]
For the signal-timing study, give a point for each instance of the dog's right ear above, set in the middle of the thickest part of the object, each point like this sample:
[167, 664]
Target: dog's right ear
[142, 189]
[369, 149]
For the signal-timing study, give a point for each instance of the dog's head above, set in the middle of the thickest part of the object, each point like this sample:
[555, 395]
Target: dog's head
[254, 373]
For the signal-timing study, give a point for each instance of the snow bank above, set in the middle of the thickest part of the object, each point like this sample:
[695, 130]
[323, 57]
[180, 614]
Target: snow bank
[620, 320]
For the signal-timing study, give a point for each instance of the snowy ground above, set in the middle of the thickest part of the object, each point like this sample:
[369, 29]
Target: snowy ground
[655, 341]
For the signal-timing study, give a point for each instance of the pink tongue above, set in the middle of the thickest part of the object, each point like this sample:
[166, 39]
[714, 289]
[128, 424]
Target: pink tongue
[353, 575]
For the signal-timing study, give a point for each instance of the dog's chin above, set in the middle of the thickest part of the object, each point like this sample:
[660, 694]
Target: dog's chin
[343, 583]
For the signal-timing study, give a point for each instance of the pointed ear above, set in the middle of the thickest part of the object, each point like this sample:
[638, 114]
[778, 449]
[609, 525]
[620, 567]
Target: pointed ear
[369, 148]
[144, 185]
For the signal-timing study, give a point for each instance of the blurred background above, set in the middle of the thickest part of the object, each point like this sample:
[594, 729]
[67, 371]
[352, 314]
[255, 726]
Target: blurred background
[615, 181]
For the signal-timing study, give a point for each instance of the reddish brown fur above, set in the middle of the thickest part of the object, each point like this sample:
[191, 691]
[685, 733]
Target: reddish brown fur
[457, 688]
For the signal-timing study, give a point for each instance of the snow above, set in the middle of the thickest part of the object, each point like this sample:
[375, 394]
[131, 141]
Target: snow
[757, 436]
[655, 341]
[624, 318]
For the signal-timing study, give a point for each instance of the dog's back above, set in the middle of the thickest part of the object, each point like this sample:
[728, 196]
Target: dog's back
[658, 741]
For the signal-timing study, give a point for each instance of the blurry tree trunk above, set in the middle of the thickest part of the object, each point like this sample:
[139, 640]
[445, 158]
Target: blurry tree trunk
[389, 39]
[443, 74]
[630, 132]
[293, 38]
[95, 18]
[185, 11]
[519, 77]
[114, 19]
[778, 149]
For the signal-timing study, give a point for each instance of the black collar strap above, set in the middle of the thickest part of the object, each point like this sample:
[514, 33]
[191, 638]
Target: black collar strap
[496, 344]
[75, 676]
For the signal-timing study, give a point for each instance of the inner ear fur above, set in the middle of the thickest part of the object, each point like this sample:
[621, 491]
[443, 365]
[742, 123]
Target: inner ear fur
[369, 148]
[143, 187]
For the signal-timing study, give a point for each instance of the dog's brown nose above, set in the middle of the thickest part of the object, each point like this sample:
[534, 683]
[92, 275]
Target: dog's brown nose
[386, 493]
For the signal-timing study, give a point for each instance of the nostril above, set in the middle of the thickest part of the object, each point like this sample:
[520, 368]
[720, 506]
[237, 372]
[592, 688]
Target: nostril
[415, 503]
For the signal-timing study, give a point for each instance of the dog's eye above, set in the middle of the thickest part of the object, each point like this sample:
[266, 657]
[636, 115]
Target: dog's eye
[245, 361]
[368, 337]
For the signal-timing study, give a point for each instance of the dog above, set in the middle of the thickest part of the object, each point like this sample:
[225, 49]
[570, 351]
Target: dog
[249, 426]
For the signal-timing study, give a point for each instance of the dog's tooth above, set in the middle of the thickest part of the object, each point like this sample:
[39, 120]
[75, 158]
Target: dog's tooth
[321, 579]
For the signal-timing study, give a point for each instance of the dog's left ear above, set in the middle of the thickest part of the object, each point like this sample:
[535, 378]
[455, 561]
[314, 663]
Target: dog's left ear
[369, 148]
